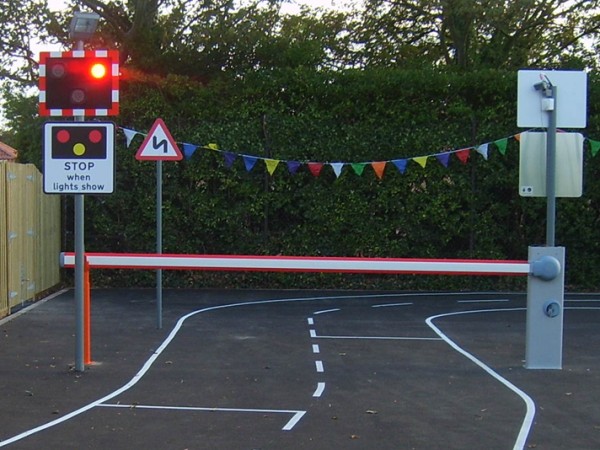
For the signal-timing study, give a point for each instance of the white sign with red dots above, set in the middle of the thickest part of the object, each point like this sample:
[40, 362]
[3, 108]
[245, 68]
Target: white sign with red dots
[79, 157]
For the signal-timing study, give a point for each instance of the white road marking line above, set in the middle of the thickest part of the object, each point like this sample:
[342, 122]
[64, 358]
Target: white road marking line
[288, 426]
[319, 390]
[319, 366]
[327, 311]
[385, 305]
[383, 338]
[313, 333]
[582, 301]
[484, 301]
[293, 421]
[583, 307]
[310, 321]
[316, 348]
[530, 414]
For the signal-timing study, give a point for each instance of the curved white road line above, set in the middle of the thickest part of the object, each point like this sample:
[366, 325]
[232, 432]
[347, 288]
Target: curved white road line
[530, 414]
[138, 376]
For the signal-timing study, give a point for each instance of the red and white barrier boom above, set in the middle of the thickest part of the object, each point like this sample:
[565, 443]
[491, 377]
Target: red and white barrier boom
[545, 287]
[300, 264]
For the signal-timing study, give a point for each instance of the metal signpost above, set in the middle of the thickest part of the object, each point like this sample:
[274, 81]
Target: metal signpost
[77, 84]
[538, 101]
[159, 146]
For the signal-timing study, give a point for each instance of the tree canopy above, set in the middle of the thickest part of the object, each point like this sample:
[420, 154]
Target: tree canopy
[214, 38]
[383, 81]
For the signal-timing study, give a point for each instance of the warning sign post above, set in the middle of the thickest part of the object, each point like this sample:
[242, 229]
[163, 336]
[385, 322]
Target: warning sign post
[79, 157]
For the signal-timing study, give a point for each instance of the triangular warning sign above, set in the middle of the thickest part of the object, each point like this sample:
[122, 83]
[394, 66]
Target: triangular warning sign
[159, 145]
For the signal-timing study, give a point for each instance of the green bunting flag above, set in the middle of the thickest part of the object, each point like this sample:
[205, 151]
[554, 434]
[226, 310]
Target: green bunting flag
[595, 146]
[501, 144]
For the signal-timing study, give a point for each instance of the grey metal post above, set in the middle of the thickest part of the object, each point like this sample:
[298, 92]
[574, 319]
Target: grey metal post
[79, 267]
[545, 306]
[159, 242]
[551, 173]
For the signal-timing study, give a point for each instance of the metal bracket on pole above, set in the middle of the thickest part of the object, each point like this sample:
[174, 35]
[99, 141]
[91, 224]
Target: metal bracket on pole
[545, 306]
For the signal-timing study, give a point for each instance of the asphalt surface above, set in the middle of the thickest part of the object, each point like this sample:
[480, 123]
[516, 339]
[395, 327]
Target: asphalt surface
[297, 370]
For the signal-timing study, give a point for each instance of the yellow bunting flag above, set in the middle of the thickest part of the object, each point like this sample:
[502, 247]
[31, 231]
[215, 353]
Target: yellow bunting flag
[421, 160]
[213, 146]
[271, 165]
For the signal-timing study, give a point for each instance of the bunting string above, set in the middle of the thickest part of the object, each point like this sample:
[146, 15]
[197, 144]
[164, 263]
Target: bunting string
[315, 168]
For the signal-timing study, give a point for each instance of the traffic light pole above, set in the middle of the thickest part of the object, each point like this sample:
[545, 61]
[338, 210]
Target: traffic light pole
[79, 268]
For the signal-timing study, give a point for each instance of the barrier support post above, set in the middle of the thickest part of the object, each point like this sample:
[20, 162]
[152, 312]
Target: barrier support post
[87, 323]
[545, 308]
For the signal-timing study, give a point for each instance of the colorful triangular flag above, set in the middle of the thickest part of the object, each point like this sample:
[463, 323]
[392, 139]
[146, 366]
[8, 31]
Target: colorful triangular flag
[421, 160]
[293, 166]
[337, 168]
[229, 158]
[271, 165]
[501, 144]
[400, 164]
[379, 167]
[315, 168]
[188, 150]
[594, 146]
[249, 161]
[443, 158]
[463, 155]
[358, 168]
[483, 150]
[129, 135]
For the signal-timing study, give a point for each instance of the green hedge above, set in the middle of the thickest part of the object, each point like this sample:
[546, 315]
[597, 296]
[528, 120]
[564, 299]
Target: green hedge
[470, 210]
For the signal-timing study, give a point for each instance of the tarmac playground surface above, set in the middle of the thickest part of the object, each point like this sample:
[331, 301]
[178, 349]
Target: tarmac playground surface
[242, 369]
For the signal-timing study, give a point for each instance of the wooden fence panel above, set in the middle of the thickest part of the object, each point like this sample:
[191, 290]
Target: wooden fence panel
[15, 209]
[31, 240]
[49, 239]
[3, 244]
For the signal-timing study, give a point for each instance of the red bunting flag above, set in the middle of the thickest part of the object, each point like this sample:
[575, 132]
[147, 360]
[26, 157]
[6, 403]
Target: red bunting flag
[463, 155]
[315, 168]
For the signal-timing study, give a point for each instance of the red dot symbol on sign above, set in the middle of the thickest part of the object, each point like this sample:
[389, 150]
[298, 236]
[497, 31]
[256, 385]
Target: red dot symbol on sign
[63, 136]
[95, 136]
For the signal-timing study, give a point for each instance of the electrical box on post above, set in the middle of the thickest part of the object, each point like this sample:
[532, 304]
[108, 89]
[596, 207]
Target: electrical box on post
[79, 83]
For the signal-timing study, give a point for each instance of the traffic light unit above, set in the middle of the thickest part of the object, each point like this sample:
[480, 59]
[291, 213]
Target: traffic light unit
[79, 83]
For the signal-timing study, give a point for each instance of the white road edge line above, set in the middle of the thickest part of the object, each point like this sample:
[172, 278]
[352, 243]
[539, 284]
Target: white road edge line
[30, 307]
[529, 403]
[386, 305]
